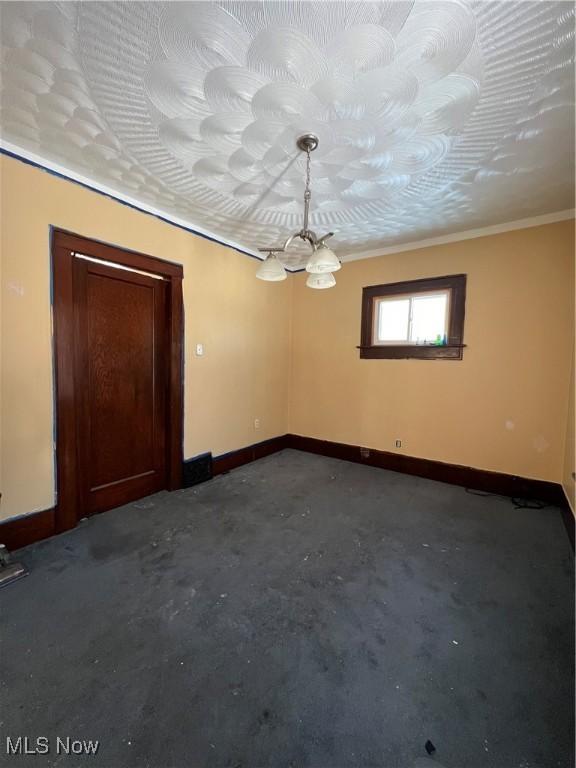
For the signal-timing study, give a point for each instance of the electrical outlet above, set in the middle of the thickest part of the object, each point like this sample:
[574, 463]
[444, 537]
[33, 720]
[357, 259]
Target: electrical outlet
[199, 350]
[398, 443]
[364, 452]
[256, 423]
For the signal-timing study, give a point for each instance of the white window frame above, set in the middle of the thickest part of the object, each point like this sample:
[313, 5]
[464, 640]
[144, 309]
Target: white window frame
[410, 296]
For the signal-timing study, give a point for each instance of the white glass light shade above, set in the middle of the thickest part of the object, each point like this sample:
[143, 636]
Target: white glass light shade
[322, 260]
[325, 280]
[271, 269]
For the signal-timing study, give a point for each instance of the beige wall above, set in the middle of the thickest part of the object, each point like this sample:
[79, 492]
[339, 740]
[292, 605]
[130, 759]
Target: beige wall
[243, 323]
[569, 458]
[287, 355]
[503, 407]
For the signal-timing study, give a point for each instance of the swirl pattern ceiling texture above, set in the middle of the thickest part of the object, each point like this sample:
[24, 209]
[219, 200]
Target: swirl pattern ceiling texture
[433, 116]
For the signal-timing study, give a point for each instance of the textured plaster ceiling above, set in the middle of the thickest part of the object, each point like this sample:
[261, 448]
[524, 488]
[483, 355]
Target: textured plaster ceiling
[433, 116]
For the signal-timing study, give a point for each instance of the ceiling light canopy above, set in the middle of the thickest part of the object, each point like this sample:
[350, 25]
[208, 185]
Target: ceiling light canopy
[323, 260]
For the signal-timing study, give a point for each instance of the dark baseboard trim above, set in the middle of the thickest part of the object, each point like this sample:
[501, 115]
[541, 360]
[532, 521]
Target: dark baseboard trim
[228, 461]
[455, 474]
[569, 520]
[18, 532]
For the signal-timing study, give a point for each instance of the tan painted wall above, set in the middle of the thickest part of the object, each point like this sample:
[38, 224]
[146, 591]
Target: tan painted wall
[287, 355]
[503, 407]
[569, 458]
[243, 323]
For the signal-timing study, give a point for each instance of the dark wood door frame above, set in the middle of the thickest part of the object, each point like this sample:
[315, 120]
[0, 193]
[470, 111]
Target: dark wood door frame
[63, 246]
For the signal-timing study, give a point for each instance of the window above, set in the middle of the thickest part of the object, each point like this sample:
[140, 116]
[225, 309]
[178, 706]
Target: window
[419, 318]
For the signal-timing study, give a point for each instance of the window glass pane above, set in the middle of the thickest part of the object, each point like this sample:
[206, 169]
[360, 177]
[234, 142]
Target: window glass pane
[393, 317]
[428, 317]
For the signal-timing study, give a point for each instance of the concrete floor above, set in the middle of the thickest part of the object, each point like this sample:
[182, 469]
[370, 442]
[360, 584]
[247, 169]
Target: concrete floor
[300, 611]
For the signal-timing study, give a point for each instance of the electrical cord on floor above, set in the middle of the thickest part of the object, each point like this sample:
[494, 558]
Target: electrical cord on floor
[517, 502]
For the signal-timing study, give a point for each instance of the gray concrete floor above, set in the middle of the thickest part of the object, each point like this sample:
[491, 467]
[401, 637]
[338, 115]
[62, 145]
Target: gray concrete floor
[300, 611]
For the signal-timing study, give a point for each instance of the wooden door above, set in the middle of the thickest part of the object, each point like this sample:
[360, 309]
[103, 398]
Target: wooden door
[118, 353]
[120, 361]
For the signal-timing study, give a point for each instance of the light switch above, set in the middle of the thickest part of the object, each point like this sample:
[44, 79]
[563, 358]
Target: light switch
[199, 350]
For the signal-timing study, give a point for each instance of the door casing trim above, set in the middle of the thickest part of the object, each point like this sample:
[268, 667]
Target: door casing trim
[63, 245]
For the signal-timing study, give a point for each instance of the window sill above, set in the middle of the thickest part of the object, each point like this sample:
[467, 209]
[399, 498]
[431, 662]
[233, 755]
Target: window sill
[413, 351]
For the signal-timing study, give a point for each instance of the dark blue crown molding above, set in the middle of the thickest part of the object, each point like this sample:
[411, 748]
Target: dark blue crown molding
[190, 230]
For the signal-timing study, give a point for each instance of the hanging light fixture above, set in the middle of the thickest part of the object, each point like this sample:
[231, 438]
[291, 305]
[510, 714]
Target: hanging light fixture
[323, 261]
